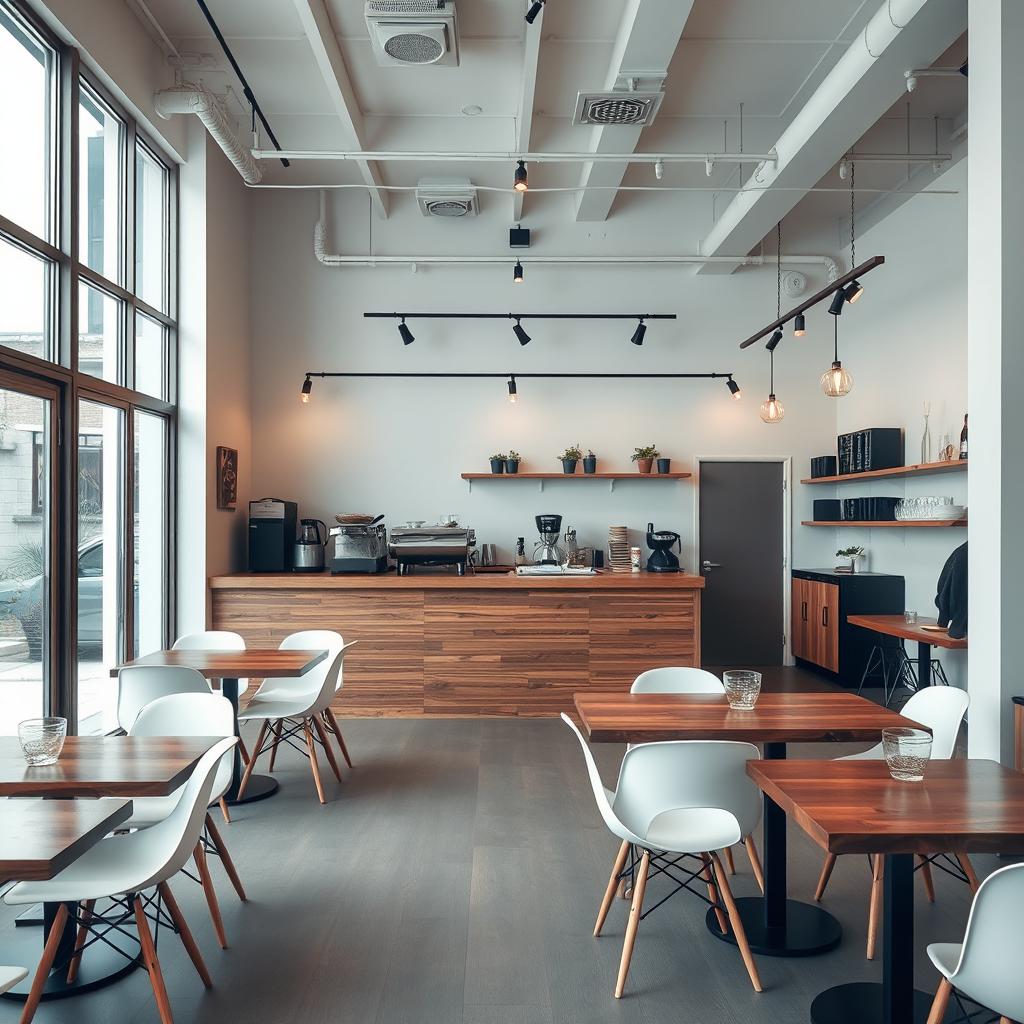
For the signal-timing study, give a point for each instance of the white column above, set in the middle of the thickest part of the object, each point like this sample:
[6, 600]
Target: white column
[995, 365]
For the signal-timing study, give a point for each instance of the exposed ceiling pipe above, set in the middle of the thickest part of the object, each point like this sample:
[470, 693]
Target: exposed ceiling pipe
[194, 98]
[426, 156]
[328, 259]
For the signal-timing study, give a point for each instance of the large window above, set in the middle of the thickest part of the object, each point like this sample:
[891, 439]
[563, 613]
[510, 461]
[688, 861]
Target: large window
[88, 345]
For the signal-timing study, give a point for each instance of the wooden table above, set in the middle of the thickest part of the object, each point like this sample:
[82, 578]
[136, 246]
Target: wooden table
[92, 766]
[776, 925]
[229, 667]
[857, 807]
[896, 625]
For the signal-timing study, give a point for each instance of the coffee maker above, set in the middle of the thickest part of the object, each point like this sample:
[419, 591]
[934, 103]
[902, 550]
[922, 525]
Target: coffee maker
[546, 551]
[309, 548]
[661, 543]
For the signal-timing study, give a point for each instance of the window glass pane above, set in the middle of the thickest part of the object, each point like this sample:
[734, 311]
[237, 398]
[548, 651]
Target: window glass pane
[100, 334]
[151, 180]
[150, 510]
[150, 357]
[100, 545]
[26, 119]
[25, 468]
[100, 200]
[25, 303]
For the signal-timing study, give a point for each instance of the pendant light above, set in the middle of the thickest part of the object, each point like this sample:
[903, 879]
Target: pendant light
[772, 410]
[836, 380]
[521, 181]
[734, 389]
[517, 273]
[307, 387]
[513, 396]
[638, 334]
[406, 335]
[520, 333]
[799, 326]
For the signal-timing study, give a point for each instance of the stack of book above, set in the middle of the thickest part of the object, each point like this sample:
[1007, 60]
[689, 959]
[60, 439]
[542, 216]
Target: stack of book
[875, 448]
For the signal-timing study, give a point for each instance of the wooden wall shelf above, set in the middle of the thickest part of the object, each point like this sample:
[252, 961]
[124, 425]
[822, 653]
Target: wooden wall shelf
[542, 477]
[897, 471]
[876, 524]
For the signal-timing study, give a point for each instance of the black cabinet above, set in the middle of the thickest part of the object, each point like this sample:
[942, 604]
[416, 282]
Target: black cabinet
[822, 639]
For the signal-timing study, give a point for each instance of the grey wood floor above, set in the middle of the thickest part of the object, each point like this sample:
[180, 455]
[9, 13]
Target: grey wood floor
[453, 879]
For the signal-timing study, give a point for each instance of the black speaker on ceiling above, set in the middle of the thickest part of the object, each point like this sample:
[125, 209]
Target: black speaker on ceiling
[519, 238]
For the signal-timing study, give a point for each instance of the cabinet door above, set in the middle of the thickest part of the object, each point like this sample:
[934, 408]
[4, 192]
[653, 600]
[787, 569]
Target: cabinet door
[800, 619]
[823, 627]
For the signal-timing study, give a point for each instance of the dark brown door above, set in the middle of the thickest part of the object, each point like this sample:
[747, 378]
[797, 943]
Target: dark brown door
[741, 559]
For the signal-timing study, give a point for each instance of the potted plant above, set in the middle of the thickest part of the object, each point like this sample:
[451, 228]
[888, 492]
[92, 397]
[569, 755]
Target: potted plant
[589, 462]
[644, 457]
[852, 553]
[664, 465]
[569, 458]
[498, 463]
[512, 461]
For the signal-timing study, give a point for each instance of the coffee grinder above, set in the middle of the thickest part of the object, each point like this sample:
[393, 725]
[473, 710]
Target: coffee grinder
[661, 543]
[546, 551]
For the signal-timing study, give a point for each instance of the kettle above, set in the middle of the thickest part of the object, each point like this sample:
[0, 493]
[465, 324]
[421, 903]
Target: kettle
[309, 549]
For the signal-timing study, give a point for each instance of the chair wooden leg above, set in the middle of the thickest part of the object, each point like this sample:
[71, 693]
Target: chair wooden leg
[313, 763]
[277, 729]
[826, 874]
[755, 861]
[156, 977]
[875, 904]
[83, 932]
[926, 878]
[968, 869]
[242, 748]
[730, 863]
[252, 760]
[223, 804]
[45, 965]
[322, 733]
[199, 856]
[635, 910]
[613, 884]
[737, 924]
[708, 875]
[186, 935]
[940, 1003]
[341, 739]
[225, 858]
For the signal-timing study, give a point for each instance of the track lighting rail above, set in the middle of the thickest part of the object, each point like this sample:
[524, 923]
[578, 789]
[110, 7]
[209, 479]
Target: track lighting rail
[523, 316]
[488, 374]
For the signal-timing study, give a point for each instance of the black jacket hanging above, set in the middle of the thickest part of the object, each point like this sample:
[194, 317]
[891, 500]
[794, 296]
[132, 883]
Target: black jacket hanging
[951, 598]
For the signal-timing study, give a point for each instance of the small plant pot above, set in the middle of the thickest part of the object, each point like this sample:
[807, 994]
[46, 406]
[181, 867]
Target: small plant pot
[497, 465]
[644, 465]
[590, 464]
[664, 465]
[569, 466]
[511, 465]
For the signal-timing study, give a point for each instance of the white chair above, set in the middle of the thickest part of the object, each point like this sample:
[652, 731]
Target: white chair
[139, 686]
[10, 976]
[941, 709]
[677, 803]
[287, 707]
[683, 679]
[192, 714]
[985, 967]
[124, 868]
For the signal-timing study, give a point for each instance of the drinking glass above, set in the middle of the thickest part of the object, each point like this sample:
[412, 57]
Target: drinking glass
[42, 739]
[742, 689]
[906, 753]
[910, 617]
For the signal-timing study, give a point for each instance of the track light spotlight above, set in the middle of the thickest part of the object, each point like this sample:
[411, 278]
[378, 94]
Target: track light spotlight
[836, 306]
[799, 326]
[307, 387]
[638, 334]
[844, 168]
[535, 8]
[734, 389]
[517, 273]
[853, 291]
[405, 334]
[773, 341]
[521, 180]
[709, 166]
[520, 333]
[659, 170]
[513, 397]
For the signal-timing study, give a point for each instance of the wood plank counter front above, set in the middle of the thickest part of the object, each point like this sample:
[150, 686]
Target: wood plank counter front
[487, 644]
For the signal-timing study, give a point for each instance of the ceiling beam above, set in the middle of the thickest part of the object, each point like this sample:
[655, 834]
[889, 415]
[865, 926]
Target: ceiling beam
[527, 89]
[316, 23]
[866, 81]
[649, 33]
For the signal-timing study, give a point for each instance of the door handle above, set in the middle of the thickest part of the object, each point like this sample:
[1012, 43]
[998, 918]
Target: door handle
[824, 616]
[710, 565]
[803, 611]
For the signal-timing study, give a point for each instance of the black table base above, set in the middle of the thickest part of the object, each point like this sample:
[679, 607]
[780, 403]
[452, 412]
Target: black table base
[863, 1002]
[807, 930]
[259, 787]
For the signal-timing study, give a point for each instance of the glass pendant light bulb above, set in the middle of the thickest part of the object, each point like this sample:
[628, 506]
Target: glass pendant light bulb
[836, 381]
[772, 409]
[307, 387]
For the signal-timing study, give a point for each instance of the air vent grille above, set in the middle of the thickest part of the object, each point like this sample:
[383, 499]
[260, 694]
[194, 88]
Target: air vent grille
[404, 6]
[617, 108]
[446, 197]
[448, 207]
[413, 48]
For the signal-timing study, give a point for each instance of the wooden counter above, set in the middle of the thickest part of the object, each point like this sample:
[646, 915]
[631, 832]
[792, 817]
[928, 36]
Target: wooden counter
[445, 646]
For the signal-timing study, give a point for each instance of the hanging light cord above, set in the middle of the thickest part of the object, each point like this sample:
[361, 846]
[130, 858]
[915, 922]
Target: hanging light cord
[853, 210]
[778, 302]
[835, 338]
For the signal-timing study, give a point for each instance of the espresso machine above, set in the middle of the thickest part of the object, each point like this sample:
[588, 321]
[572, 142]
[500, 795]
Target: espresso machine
[547, 551]
[661, 543]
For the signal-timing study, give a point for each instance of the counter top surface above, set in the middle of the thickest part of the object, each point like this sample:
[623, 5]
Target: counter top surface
[430, 581]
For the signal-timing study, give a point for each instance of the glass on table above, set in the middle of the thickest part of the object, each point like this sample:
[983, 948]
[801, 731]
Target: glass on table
[42, 739]
[742, 688]
[907, 752]
[910, 617]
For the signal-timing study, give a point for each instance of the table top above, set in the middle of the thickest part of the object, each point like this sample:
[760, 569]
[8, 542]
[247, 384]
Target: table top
[39, 838]
[857, 807]
[271, 663]
[105, 766]
[777, 718]
[896, 625]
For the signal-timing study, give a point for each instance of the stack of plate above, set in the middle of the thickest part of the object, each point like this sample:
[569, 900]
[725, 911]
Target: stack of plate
[945, 512]
[618, 549]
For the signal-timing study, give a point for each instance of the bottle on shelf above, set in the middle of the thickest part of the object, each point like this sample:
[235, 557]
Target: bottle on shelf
[963, 439]
[521, 558]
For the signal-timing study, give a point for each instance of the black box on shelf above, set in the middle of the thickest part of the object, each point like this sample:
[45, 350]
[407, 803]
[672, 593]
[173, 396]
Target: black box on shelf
[865, 450]
[827, 510]
[823, 465]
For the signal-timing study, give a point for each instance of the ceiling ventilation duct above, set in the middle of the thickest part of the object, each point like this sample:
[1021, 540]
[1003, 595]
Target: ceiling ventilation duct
[629, 103]
[447, 197]
[413, 33]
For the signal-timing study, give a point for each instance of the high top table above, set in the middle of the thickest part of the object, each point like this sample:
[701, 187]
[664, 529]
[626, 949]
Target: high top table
[857, 807]
[229, 667]
[775, 925]
[897, 625]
